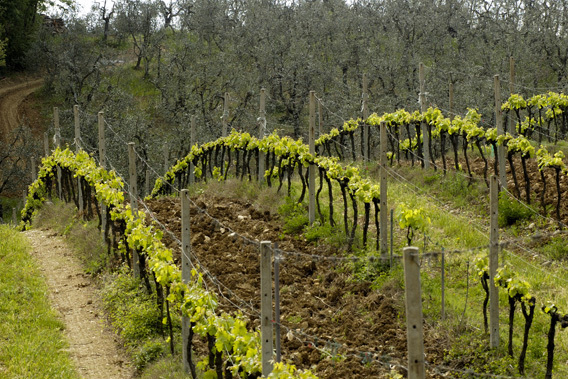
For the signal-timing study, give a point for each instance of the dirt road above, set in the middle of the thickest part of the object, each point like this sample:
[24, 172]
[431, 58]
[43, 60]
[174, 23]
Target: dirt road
[11, 96]
[91, 345]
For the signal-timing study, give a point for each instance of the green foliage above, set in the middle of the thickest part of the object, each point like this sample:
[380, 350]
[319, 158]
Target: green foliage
[149, 352]
[512, 210]
[295, 216]
[556, 249]
[411, 219]
[133, 314]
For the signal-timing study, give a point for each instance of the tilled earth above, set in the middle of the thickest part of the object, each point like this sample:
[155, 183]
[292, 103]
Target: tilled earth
[331, 324]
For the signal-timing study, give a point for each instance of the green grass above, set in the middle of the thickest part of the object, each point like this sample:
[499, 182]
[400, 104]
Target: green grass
[32, 344]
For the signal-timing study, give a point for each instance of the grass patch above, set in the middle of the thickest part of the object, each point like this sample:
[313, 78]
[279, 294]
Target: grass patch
[32, 343]
[83, 236]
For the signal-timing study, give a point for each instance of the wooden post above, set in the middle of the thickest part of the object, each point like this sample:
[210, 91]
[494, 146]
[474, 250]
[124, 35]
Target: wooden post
[261, 131]
[425, 135]
[133, 201]
[192, 141]
[511, 91]
[320, 117]
[34, 169]
[365, 125]
[102, 162]
[383, 189]
[312, 168]
[102, 142]
[414, 329]
[277, 341]
[77, 149]
[493, 264]
[147, 181]
[499, 123]
[185, 271]
[225, 114]
[47, 152]
[166, 158]
[266, 307]
[57, 145]
[443, 284]
[391, 236]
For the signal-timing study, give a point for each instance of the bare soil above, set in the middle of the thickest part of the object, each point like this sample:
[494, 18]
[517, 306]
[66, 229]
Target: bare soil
[92, 346]
[331, 323]
[12, 95]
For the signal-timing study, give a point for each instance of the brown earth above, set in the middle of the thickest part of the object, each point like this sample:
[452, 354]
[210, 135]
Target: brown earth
[331, 323]
[12, 95]
[92, 346]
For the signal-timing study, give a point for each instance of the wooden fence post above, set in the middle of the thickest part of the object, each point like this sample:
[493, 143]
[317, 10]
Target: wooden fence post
[312, 168]
[133, 201]
[192, 141]
[57, 145]
[383, 189]
[511, 91]
[494, 264]
[77, 149]
[365, 116]
[47, 152]
[443, 284]
[261, 131]
[266, 334]
[500, 153]
[414, 328]
[102, 162]
[225, 114]
[185, 271]
[166, 157]
[425, 135]
[320, 117]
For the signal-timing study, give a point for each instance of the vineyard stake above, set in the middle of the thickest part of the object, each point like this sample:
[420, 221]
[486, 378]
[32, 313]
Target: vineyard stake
[185, 271]
[499, 125]
[391, 235]
[493, 264]
[383, 190]
[46, 144]
[443, 284]
[57, 145]
[261, 130]
[365, 116]
[147, 182]
[511, 90]
[414, 328]
[425, 136]
[225, 114]
[133, 201]
[192, 141]
[166, 157]
[312, 168]
[77, 149]
[277, 302]
[320, 117]
[266, 307]
[102, 162]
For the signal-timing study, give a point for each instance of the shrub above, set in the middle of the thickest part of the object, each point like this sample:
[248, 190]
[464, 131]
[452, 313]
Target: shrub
[512, 210]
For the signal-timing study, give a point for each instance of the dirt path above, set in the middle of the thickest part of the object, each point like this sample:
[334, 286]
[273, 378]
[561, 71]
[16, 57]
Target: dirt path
[92, 346]
[11, 96]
